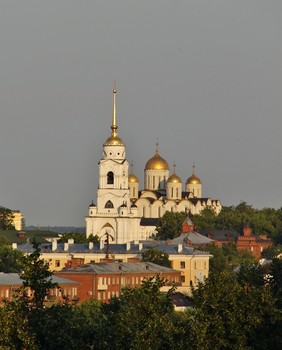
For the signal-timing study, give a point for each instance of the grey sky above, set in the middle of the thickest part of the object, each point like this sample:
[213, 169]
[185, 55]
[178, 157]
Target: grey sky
[205, 77]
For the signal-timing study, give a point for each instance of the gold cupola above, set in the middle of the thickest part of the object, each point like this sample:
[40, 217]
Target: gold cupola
[114, 139]
[131, 177]
[157, 162]
[193, 180]
[174, 179]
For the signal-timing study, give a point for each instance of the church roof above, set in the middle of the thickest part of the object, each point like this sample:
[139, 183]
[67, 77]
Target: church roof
[157, 162]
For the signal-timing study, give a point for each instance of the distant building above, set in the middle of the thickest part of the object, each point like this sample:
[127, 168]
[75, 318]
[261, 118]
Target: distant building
[190, 237]
[122, 206]
[18, 220]
[247, 241]
[104, 281]
[192, 264]
[10, 282]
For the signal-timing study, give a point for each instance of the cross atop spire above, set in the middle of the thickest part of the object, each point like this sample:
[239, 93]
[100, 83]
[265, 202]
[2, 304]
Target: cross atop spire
[131, 167]
[174, 165]
[114, 117]
[193, 166]
[157, 146]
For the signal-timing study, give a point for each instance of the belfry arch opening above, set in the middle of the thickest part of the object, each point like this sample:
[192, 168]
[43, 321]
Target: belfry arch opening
[109, 204]
[110, 178]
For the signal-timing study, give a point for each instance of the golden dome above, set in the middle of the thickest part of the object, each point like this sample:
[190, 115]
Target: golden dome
[114, 141]
[174, 179]
[193, 180]
[132, 178]
[157, 162]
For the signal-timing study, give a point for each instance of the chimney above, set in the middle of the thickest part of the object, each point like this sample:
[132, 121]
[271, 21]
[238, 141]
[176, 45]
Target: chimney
[128, 246]
[90, 245]
[66, 247]
[54, 245]
[14, 245]
[101, 244]
[180, 247]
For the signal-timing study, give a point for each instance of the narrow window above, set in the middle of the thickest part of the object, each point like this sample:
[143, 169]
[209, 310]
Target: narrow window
[110, 178]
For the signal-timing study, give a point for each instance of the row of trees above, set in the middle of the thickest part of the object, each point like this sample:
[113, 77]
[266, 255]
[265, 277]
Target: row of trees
[266, 221]
[231, 311]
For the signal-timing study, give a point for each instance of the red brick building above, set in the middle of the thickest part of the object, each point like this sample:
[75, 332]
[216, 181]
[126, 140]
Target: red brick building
[247, 241]
[106, 280]
[10, 282]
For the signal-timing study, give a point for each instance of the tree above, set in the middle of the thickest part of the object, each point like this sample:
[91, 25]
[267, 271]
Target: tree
[170, 225]
[78, 238]
[6, 219]
[9, 259]
[36, 275]
[156, 256]
[142, 319]
[230, 316]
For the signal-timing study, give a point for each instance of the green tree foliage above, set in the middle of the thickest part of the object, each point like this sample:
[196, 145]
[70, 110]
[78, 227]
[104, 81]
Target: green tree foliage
[78, 238]
[272, 252]
[9, 259]
[266, 221]
[142, 319]
[6, 219]
[235, 312]
[156, 256]
[170, 225]
[227, 257]
[36, 275]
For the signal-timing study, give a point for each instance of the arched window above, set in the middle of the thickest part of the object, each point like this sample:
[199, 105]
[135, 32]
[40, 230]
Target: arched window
[109, 204]
[110, 178]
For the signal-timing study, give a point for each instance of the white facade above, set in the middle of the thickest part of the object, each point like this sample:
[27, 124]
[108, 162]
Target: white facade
[120, 203]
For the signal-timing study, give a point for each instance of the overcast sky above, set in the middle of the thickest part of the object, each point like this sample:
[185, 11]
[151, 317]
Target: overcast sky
[202, 76]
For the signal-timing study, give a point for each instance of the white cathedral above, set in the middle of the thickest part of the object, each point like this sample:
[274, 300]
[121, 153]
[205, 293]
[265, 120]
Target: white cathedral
[125, 213]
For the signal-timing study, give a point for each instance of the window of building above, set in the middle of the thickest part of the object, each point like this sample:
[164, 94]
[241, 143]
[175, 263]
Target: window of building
[99, 295]
[109, 204]
[205, 264]
[195, 265]
[57, 263]
[110, 178]
[182, 279]
[172, 192]
[182, 264]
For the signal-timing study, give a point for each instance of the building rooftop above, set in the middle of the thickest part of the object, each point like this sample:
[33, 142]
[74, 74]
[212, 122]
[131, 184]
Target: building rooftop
[118, 267]
[123, 248]
[14, 279]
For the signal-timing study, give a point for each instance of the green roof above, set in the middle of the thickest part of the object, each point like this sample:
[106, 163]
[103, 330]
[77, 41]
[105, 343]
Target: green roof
[40, 236]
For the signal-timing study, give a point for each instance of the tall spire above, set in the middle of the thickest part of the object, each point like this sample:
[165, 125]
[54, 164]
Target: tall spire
[157, 146]
[174, 165]
[193, 166]
[114, 117]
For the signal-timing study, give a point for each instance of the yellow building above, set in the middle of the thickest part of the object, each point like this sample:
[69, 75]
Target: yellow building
[18, 220]
[193, 264]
